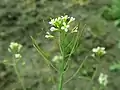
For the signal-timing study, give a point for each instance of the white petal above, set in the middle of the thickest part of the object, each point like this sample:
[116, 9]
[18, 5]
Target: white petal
[52, 29]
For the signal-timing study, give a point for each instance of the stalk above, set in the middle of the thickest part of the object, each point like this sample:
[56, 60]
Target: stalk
[18, 75]
[60, 86]
[61, 72]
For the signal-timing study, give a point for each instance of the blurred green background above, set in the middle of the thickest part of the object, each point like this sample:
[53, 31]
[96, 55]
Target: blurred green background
[20, 19]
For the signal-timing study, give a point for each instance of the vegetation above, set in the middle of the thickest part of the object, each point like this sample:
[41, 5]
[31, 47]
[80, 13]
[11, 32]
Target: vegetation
[59, 44]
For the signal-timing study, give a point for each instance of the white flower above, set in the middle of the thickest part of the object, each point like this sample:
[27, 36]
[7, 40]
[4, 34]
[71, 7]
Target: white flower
[18, 56]
[14, 47]
[93, 55]
[52, 29]
[65, 17]
[71, 19]
[58, 19]
[52, 22]
[99, 51]
[48, 35]
[61, 23]
[103, 79]
[64, 28]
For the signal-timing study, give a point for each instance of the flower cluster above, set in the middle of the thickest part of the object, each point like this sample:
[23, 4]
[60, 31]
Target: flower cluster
[99, 51]
[103, 79]
[15, 49]
[60, 24]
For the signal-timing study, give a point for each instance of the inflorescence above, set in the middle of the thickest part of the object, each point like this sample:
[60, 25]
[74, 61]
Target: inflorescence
[99, 51]
[60, 24]
[103, 79]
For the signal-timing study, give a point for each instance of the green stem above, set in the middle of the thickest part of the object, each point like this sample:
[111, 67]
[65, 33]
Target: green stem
[61, 72]
[18, 75]
[101, 88]
[60, 87]
[95, 73]
[76, 40]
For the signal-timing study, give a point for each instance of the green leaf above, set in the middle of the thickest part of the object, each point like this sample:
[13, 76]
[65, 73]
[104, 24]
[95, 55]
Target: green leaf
[115, 67]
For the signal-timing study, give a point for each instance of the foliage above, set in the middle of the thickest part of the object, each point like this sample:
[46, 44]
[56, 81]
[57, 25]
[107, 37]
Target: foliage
[20, 19]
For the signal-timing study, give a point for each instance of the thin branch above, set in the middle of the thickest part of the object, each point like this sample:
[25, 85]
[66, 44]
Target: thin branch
[42, 53]
[76, 40]
[77, 70]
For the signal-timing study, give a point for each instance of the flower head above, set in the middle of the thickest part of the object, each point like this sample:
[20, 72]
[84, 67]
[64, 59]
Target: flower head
[103, 79]
[14, 47]
[99, 51]
[53, 29]
[61, 23]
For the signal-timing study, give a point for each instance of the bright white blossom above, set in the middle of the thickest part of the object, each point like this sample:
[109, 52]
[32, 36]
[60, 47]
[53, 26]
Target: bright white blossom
[53, 29]
[18, 56]
[61, 23]
[99, 51]
[103, 79]
[52, 22]
[71, 19]
[14, 47]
